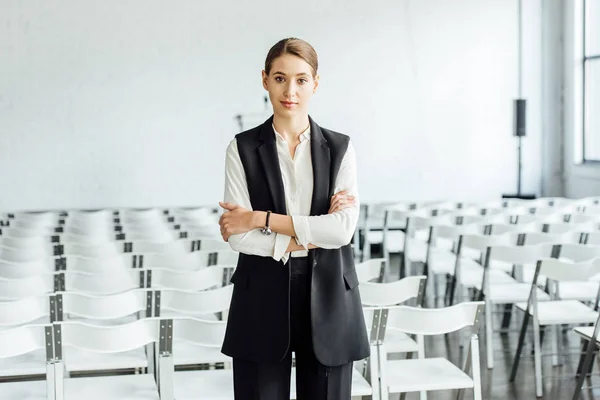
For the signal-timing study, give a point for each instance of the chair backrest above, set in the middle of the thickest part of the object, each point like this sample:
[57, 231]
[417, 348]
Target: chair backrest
[192, 303]
[518, 255]
[392, 293]
[105, 339]
[202, 279]
[480, 242]
[26, 310]
[577, 252]
[15, 289]
[434, 321]
[26, 269]
[93, 250]
[45, 218]
[103, 307]
[370, 269]
[199, 332]
[562, 270]
[26, 339]
[97, 265]
[532, 238]
[111, 282]
[26, 254]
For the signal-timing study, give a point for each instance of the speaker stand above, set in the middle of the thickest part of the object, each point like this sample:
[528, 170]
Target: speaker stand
[519, 195]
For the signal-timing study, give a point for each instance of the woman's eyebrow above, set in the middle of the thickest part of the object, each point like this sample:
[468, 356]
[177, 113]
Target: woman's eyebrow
[281, 73]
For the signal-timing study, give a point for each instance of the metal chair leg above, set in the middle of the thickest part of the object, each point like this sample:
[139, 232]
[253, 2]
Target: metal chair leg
[522, 334]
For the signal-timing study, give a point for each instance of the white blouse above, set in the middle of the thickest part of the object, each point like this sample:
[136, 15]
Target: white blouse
[328, 231]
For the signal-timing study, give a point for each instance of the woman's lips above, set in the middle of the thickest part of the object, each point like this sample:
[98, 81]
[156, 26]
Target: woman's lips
[289, 104]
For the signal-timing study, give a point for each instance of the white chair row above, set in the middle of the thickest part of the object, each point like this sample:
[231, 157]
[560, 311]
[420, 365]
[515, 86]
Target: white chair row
[191, 261]
[380, 379]
[114, 281]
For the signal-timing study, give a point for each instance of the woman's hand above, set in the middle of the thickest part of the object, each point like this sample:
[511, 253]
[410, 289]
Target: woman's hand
[236, 220]
[340, 200]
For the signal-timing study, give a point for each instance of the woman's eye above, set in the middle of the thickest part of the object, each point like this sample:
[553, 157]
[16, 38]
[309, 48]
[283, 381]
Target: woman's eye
[279, 79]
[302, 81]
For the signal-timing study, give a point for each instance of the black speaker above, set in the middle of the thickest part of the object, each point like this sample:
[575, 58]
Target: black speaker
[520, 109]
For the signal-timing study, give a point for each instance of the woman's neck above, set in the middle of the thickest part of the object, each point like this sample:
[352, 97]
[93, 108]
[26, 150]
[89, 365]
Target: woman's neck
[291, 128]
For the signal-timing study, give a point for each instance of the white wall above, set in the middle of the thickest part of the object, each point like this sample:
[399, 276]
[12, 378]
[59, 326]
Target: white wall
[131, 103]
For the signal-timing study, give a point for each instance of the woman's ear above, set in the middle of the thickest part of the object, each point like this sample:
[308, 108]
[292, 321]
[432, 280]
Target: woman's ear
[316, 85]
[264, 79]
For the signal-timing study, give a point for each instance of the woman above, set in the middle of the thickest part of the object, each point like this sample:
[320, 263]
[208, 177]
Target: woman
[292, 206]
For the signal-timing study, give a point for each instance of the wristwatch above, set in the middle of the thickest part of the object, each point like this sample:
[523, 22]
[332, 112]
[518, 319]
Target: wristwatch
[267, 229]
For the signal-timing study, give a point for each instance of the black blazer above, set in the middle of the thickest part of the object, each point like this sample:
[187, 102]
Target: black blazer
[258, 327]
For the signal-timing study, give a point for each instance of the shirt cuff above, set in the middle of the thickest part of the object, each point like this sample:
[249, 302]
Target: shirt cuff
[281, 245]
[302, 230]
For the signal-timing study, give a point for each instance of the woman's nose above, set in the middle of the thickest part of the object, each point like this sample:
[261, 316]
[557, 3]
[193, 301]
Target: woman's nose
[290, 89]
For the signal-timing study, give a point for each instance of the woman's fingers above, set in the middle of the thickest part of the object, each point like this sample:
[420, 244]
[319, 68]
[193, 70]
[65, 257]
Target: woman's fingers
[341, 204]
[341, 200]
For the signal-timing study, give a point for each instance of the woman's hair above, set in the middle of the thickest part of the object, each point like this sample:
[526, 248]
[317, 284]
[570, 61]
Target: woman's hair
[297, 47]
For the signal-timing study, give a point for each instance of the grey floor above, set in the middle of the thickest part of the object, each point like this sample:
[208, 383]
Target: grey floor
[559, 381]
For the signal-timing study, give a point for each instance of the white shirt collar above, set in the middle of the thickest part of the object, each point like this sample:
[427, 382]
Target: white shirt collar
[303, 136]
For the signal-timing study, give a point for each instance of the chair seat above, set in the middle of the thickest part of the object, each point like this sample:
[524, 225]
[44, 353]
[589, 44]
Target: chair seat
[33, 363]
[32, 390]
[425, 374]
[214, 384]
[582, 291]
[511, 293]
[130, 387]
[399, 342]
[81, 360]
[395, 241]
[442, 262]
[585, 332]
[501, 265]
[562, 312]
[472, 276]
[185, 353]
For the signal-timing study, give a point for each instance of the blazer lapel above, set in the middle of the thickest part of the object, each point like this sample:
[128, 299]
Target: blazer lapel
[267, 151]
[321, 162]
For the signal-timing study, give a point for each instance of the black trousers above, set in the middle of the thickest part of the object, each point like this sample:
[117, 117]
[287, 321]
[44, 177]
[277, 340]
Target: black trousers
[314, 381]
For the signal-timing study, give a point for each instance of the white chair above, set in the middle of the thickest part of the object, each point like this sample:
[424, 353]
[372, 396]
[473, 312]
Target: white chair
[431, 374]
[27, 311]
[508, 293]
[217, 384]
[394, 293]
[190, 261]
[105, 283]
[91, 250]
[588, 334]
[27, 269]
[15, 289]
[372, 269]
[469, 270]
[110, 340]
[104, 311]
[555, 312]
[203, 279]
[26, 254]
[20, 342]
[205, 305]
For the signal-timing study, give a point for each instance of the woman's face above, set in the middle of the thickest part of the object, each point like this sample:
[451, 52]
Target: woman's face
[290, 85]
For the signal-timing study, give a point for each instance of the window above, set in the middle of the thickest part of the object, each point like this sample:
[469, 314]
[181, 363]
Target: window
[591, 80]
